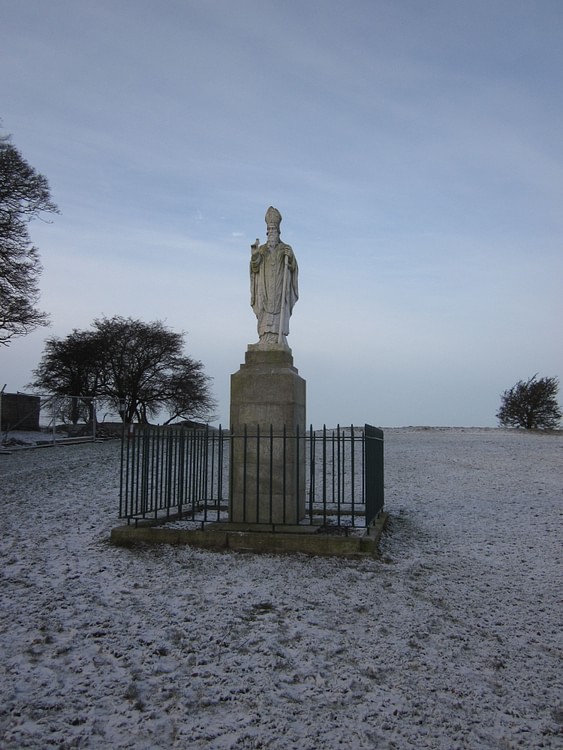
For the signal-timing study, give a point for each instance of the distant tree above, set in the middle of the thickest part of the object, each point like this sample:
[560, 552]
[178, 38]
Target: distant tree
[531, 404]
[186, 391]
[24, 195]
[71, 367]
[137, 368]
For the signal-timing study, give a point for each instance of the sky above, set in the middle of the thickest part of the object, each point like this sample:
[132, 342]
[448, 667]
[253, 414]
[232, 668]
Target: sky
[414, 150]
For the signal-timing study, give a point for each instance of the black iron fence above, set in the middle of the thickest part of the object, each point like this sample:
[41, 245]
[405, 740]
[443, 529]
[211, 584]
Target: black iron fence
[171, 473]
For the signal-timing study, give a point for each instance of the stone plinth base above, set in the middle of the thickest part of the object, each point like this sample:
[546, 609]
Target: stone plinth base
[222, 536]
[268, 449]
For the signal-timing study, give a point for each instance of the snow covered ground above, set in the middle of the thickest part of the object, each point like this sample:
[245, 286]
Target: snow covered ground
[452, 640]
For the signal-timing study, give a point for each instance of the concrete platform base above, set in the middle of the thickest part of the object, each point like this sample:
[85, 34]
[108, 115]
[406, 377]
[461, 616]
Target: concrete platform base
[308, 540]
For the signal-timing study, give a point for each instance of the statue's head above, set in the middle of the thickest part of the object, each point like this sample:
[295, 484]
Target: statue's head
[273, 216]
[273, 221]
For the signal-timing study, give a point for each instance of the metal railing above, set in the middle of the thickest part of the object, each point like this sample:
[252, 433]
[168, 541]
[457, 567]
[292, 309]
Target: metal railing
[173, 472]
[169, 471]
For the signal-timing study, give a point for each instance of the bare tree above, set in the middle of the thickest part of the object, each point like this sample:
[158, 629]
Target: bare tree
[531, 404]
[136, 368]
[24, 195]
[71, 367]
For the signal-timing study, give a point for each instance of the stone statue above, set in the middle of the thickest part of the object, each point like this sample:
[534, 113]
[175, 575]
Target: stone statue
[273, 284]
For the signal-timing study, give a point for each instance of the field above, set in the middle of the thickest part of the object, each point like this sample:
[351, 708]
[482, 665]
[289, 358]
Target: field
[453, 639]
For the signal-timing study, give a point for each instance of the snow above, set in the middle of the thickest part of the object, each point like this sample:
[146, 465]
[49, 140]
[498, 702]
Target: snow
[452, 639]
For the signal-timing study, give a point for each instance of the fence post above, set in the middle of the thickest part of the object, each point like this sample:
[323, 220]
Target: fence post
[373, 472]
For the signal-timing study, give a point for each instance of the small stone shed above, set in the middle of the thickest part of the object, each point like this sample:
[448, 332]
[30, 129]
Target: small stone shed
[19, 411]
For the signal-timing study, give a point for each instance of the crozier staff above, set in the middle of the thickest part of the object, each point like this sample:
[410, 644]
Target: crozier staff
[273, 283]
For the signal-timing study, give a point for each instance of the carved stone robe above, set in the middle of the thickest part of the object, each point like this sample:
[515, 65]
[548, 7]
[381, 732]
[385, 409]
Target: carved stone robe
[266, 289]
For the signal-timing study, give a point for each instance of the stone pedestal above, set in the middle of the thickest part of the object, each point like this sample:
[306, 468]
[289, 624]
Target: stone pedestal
[268, 446]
